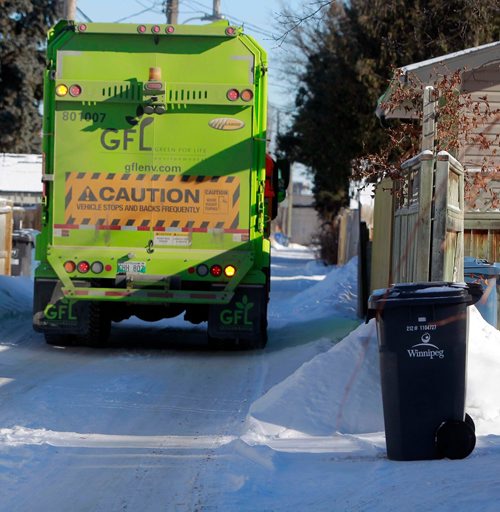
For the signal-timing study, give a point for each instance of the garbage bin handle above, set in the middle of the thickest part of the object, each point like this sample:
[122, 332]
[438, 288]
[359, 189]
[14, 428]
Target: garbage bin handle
[475, 291]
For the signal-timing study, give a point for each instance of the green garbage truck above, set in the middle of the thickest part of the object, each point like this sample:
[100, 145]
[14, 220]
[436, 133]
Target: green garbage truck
[155, 196]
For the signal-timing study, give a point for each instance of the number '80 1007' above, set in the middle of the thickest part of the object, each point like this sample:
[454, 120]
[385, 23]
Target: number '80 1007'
[95, 117]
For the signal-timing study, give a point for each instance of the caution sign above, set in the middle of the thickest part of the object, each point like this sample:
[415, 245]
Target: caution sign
[151, 202]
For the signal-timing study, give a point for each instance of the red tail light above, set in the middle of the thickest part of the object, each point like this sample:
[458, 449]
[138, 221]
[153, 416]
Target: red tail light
[230, 31]
[141, 29]
[83, 267]
[232, 95]
[216, 270]
[155, 29]
[170, 29]
[75, 90]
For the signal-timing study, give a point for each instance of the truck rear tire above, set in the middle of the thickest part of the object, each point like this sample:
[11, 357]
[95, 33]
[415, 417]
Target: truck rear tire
[97, 328]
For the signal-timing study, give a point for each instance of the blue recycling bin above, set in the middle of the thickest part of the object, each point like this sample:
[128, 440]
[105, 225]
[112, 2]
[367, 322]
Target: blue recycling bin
[477, 270]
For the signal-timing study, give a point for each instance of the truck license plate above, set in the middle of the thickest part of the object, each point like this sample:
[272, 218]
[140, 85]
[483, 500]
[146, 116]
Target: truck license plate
[135, 267]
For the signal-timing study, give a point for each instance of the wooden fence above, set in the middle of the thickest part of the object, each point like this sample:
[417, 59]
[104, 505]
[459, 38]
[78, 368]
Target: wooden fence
[5, 237]
[419, 223]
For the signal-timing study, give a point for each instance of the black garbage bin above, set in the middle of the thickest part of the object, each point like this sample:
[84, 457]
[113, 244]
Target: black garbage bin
[422, 334]
[23, 241]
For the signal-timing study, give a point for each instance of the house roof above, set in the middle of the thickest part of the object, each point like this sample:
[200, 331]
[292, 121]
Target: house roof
[428, 71]
[20, 173]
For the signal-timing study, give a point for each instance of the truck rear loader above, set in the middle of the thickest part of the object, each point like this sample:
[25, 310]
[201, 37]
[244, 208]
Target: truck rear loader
[155, 195]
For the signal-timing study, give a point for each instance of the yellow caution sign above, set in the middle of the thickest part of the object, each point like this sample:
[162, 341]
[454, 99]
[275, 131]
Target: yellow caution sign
[151, 201]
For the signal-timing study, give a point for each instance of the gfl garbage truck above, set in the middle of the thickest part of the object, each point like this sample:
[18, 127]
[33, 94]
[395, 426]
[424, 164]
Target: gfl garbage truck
[156, 198]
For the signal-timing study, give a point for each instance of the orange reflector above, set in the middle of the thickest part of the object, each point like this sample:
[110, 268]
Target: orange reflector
[246, 95]
[69, 266]
[229, 271]
[61, 90]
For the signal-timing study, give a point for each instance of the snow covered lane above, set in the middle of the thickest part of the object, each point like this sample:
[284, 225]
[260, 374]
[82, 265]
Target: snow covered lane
[143, 425]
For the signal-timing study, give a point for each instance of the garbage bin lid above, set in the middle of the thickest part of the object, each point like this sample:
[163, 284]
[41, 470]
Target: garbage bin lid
[442, 292]
[480, 267]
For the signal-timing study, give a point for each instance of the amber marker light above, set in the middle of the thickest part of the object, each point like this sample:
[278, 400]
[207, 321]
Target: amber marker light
[246, 95]
[229, 271]
[62, 90]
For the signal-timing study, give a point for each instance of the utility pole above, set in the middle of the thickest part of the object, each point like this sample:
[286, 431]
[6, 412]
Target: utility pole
[172, 10]
[216, 10]
[69, 12]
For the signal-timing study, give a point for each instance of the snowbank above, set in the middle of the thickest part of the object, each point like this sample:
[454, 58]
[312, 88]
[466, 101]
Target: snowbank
[339, 390]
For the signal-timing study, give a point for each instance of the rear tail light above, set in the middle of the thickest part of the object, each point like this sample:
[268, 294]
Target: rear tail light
[108, 268]
[75, 90]
[69, 266]
[155, 29]
[216, 270]
[229, 271]
[232, 95]
[230, 31]
[141, 29]
[97, 267]
[62, 90]
[83, 267]
[246, 95]
[170, 29]
[82, 27]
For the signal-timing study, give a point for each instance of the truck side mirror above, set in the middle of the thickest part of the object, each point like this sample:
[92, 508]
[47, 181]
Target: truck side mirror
[282, 173]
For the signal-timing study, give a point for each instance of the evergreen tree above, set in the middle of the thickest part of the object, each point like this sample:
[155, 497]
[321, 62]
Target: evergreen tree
[350, 59]
[23, 28]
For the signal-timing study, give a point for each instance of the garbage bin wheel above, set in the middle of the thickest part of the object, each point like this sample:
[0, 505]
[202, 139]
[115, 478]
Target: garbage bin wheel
[455, 439]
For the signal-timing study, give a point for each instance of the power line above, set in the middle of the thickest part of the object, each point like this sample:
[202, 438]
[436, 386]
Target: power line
[135, 14]
[85, 17]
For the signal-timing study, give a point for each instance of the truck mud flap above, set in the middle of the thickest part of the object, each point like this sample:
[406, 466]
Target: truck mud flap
[52, 312]
[243, 318]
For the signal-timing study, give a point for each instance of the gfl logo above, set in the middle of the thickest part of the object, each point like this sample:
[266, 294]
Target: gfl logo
[239, 315]
[112, 139]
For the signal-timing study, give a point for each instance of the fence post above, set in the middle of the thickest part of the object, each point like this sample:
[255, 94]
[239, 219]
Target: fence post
[429, 119]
